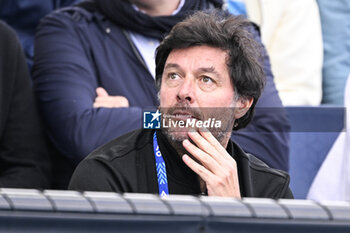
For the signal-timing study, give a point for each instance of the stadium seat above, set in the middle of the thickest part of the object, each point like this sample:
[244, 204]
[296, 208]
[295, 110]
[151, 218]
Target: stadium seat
[313, 132]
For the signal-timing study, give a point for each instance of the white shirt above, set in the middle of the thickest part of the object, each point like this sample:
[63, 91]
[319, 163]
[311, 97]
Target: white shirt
[147, 46]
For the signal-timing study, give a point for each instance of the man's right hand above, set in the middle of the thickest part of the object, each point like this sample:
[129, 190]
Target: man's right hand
[104, 100]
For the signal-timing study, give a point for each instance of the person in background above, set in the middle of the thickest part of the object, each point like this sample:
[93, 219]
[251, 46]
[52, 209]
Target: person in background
[291, 32]
[336, 34]
[94, 73]
[24, 155]
[24, 16]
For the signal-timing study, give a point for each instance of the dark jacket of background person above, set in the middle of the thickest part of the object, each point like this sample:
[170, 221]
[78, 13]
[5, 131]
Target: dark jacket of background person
[24, 158]
[77, 51]
[24, 16]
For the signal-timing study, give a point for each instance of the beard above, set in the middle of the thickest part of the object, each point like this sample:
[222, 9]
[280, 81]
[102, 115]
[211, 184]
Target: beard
[182, 112]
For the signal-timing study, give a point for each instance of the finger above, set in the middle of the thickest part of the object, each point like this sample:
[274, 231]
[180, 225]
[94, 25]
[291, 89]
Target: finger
[102, 102]
[203, 144]
[111, 102]
[101, 92]
[204, 173]
[122, 101]
[205, 159]
[208, 136]
[98, 105]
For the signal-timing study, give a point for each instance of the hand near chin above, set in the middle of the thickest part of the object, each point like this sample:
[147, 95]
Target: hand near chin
[215, 166]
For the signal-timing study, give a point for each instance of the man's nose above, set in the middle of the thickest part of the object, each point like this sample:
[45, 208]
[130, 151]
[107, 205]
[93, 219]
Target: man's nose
[186, 91]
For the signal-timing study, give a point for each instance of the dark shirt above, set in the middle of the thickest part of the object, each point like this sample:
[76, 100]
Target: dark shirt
[127, 164]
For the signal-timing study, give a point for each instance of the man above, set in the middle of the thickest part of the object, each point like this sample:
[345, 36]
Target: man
[94, 73]
[24, 155]
[207, 68]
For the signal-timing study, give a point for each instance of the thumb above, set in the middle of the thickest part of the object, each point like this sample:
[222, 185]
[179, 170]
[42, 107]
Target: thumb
[101, 92]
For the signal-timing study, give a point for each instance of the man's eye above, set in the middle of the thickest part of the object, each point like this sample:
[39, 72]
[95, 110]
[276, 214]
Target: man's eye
[173, 76]
[207, 80]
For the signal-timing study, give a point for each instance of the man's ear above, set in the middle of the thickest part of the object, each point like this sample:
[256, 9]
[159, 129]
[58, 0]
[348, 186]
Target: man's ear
[242, 106]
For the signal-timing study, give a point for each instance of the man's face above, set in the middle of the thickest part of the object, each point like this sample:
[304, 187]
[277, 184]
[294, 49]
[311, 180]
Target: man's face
[150, 4]
[196, 84]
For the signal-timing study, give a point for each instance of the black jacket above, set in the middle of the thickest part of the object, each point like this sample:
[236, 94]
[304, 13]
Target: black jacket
[127, 164]
[24, 157]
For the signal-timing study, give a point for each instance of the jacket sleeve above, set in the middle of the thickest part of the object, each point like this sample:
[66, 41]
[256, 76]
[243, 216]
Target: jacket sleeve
[24, 156]
[267, 135]
[65, 84]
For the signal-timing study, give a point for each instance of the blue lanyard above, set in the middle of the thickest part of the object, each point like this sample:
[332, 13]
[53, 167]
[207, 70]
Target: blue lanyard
[161, 170]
